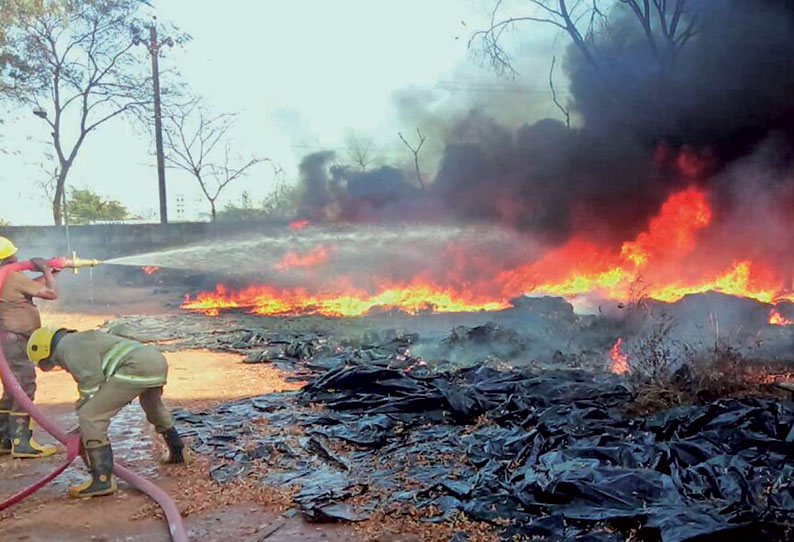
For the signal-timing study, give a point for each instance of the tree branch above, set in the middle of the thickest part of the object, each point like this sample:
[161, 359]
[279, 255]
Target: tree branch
[415, 151]
[564, 110]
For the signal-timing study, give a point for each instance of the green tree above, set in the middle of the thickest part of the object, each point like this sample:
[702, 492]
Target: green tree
[81, 69]
[85, 207]
[280, 204]
[243, 212]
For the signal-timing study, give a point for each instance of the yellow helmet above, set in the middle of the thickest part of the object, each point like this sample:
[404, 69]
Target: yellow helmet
[7, 248]
[40, 344]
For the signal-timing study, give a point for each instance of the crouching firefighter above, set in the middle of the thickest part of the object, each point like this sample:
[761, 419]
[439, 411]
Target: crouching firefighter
[110, 372]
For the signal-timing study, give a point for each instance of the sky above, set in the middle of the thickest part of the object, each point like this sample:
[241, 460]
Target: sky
[301, 75]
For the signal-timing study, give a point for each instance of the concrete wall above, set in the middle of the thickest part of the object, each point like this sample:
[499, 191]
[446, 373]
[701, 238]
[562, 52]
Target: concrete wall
[113, 240]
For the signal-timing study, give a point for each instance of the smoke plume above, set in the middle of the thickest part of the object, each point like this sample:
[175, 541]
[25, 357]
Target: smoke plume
[720, 116]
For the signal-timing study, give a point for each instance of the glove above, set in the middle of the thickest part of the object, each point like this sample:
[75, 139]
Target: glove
[40, 264]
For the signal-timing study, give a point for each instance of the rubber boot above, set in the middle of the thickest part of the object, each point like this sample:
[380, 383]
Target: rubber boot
[102, 482]
[5, 432]
[176, 454]
[23, 444]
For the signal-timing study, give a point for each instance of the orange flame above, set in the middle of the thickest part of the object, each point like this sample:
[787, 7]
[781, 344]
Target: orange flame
[777, 319]
[665, 258]
[313, 258]
[620, 361]
[411, 298]
[672, 232]
[150, 269]
[658, 256]
[298, 224]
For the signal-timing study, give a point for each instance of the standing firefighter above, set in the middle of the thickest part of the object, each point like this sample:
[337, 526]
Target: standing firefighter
[19, 317]
[110, 372]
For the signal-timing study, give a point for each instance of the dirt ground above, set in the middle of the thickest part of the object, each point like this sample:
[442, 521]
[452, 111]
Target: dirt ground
[197, 379]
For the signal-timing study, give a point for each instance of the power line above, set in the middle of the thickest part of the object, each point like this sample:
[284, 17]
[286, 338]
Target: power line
[515, 89]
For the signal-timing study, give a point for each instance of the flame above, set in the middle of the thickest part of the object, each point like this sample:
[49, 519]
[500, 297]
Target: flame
[664, 260]
[672, 232]
[313, 258]
[777, 319]
[298, 224]
[150, 269]
[411, 298]
[620, 361]
[581, 267]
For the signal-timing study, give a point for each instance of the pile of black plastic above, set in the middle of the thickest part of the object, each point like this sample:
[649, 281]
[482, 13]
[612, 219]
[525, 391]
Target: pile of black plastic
[553, 454]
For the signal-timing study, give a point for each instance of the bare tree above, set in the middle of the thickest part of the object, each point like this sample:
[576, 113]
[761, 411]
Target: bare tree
[360, 151]
[80, 71]
[564, 110]
[667, 26]
[193, 142]
[279, 199]
[415, 151]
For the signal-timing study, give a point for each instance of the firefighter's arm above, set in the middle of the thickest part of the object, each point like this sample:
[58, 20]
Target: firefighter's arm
[86, 368]
[47, 288]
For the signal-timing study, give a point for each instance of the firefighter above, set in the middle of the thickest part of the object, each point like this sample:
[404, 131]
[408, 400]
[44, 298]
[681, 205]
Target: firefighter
[19, 317]
[110, 372]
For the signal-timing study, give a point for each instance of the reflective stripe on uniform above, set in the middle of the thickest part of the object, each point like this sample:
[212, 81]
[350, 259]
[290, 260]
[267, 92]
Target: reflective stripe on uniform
[87, 392]
[145, 381]
[112, 360]
[114, 356]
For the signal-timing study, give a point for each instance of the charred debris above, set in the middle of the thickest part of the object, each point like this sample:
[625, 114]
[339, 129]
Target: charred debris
[485, 419]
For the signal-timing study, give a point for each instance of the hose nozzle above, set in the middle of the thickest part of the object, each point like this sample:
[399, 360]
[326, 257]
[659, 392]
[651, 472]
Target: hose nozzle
[76, 262]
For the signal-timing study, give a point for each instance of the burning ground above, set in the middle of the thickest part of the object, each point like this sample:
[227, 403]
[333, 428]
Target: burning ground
[351, 270]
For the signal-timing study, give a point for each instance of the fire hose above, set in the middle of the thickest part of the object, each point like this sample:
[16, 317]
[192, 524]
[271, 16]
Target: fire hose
[72, 441]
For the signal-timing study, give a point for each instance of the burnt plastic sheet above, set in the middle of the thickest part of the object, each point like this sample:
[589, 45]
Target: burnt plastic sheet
[322, 494]
[371, 431]
[232, 471]
[551, 455]
[309, 357]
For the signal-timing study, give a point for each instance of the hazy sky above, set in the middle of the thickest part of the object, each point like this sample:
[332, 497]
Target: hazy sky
[302, 74]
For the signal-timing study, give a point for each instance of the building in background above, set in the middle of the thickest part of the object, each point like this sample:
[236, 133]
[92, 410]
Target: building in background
[189, 208]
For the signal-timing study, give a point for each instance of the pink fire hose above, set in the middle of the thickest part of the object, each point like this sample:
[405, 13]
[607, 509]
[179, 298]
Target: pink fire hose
[72, 441]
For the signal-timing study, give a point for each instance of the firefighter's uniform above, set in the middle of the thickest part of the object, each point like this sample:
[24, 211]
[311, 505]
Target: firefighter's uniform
[19, 317]
[110, 372]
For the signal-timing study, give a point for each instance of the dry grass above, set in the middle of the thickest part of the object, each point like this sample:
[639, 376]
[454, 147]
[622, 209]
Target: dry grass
[398, 521]
[665, 372]
[195, 492]
[408, 523]
[718, 372]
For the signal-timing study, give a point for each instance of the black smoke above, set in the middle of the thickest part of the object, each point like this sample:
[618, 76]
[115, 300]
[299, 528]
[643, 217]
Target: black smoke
[728, 88]
[726, 96]
[339, 192]
[723, 106]
[314, 191]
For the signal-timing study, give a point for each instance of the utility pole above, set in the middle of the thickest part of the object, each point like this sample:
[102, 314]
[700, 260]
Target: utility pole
[154, 46]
